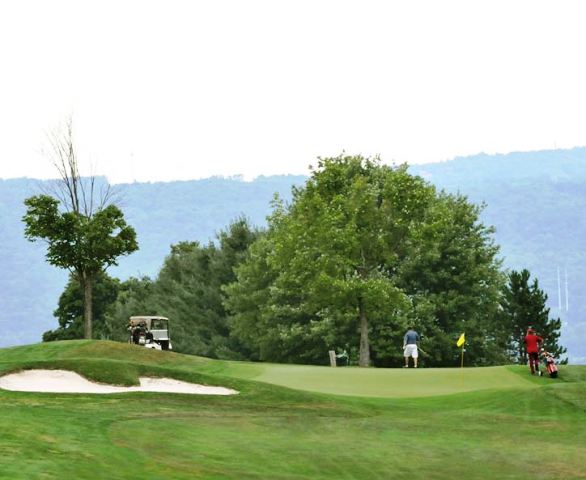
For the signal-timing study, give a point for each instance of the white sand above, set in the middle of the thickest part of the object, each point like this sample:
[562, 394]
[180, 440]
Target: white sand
[63, 381]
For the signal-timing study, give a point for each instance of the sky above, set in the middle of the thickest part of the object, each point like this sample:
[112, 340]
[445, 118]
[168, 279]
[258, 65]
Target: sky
[170, 90]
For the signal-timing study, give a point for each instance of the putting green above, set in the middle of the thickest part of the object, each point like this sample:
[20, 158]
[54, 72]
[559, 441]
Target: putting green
[385, 382]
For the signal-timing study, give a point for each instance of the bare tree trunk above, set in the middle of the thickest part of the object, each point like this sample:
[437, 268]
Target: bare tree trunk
[364, 360]
[87, 306]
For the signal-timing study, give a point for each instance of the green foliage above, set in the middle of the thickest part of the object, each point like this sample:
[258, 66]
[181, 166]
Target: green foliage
[362, 250]
[75, 241]
[188, 290]
[454, 281]
[524, 306]
[84, 243]
[69, 313]
[246, 299]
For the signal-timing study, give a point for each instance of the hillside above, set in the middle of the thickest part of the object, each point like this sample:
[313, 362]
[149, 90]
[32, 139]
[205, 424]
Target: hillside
[535, 200]
[461, 426]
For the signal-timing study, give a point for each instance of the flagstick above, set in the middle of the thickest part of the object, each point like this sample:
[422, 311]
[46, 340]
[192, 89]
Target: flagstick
[462, 343]
[462, 368]
[462, 361]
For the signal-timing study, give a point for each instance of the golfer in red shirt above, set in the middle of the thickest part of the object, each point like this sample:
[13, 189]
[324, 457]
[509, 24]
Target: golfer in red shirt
[532, 342]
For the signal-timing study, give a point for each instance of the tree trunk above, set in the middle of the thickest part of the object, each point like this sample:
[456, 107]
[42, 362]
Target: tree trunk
[87, 306]
[364, 360]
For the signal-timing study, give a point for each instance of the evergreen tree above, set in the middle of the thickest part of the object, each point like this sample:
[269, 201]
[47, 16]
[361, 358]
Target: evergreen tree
[189, 290]
[523, 306]
[135, 297]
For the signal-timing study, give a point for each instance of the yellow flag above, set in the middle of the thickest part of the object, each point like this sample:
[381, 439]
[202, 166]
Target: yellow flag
[461, 340]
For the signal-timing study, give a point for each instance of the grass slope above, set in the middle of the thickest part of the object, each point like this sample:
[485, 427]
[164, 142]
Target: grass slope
[490, 423]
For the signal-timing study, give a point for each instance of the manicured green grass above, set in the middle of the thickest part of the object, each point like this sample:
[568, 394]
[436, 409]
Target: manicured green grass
[290, 422]
[390, 383]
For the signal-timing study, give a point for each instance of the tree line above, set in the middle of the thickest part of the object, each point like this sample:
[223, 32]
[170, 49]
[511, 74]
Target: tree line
[360, 252]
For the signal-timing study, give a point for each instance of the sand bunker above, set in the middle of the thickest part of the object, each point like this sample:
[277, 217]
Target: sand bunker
[63, 381]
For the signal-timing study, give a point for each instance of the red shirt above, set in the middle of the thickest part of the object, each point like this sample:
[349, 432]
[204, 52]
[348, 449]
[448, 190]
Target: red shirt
[532, 342]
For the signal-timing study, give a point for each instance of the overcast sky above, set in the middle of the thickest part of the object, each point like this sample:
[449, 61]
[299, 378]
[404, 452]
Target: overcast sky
[181, 90]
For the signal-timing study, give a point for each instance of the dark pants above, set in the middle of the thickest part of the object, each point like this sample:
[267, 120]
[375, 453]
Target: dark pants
[533, 361]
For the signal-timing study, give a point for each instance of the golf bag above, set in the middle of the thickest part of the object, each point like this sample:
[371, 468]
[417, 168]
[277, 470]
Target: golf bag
[551, 368]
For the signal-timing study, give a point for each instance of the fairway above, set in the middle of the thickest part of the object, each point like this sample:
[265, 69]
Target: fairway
[390, 383]
[329, 423]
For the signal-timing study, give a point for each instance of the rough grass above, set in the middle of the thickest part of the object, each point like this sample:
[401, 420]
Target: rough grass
[503, 424]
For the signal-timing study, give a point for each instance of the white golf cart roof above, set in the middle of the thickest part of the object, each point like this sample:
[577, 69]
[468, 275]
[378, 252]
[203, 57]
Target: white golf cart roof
[137, 320]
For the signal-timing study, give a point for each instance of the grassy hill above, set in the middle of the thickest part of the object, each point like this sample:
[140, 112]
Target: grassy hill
[289, 422]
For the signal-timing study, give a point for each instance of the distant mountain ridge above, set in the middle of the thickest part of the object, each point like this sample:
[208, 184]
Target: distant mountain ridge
[554, 165]
[536, 201]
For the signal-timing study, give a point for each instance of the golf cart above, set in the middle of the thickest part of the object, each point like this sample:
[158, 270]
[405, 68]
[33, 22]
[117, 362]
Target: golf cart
[150, 332]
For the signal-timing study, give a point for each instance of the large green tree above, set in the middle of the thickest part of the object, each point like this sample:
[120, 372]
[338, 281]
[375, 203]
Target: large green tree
[84, 244]
[340, 265]
[523, 306]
